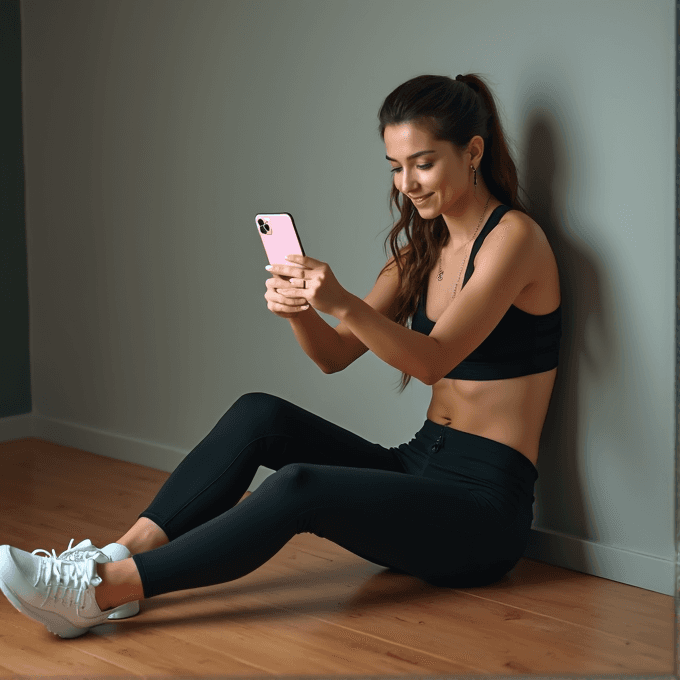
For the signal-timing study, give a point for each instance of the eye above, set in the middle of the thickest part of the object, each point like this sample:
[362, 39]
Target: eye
[420, 167]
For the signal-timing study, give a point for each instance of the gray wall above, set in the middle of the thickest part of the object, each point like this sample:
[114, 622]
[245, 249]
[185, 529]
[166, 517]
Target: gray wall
[156, 130]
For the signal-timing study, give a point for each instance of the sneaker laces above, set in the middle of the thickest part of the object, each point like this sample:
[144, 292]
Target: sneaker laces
[73, 577]
[73, 553]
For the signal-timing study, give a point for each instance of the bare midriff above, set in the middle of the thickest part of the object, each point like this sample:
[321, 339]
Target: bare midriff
[510, 411]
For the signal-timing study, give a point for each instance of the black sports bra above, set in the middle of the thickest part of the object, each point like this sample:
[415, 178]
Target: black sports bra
[521, 343]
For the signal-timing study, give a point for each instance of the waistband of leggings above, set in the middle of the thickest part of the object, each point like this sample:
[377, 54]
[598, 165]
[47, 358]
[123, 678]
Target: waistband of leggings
[494, 452]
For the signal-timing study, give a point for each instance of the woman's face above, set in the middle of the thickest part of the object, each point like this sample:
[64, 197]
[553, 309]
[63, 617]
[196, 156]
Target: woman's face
[440, 173]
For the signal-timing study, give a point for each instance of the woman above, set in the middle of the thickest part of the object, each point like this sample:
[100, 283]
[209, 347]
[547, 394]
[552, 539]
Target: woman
[454, 505]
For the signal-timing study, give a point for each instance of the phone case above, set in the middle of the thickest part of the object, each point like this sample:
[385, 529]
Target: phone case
[279, 236]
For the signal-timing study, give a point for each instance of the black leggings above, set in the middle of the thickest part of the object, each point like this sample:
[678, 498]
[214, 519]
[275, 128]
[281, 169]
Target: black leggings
[449, 507]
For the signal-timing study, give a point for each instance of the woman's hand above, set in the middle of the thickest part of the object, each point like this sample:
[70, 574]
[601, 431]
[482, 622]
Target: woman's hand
[282, 299]
[311, 281]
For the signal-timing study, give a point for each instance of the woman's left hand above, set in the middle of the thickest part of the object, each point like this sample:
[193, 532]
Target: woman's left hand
[314, 281]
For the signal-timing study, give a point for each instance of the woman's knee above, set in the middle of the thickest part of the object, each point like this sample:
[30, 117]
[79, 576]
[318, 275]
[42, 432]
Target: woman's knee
[298, 482]
[257, 409]
[297, 476]
[292, 484]
[259, 401]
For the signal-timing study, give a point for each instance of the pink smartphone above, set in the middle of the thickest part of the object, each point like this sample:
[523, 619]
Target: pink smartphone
[279, 236]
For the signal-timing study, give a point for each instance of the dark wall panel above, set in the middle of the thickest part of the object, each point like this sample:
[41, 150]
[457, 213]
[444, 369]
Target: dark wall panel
[15, 373]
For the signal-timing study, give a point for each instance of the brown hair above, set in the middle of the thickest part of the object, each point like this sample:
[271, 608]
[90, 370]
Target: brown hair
[453, 110]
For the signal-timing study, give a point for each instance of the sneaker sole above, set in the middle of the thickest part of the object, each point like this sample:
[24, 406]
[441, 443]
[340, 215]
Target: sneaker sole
[58, 625]
[125, 611]
[53, 622]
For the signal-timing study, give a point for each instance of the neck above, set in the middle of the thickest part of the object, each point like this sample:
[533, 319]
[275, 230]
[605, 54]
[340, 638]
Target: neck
[466, 223]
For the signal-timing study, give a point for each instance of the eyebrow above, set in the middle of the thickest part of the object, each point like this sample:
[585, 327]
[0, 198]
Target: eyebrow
[413, 155]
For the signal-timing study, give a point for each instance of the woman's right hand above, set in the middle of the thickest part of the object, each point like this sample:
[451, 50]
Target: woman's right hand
[281, 297]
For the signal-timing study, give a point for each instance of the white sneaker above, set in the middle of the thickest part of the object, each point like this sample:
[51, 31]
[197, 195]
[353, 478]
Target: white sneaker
[57, 593]
[110, 553]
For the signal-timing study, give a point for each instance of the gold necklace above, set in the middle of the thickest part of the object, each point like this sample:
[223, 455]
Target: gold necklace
[441, 271]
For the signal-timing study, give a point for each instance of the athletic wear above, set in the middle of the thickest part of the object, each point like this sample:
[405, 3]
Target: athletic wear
[57, 593]
[521, 343]
[449, 507]
[113, 552]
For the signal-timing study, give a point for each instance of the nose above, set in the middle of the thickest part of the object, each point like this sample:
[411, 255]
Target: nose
[408, 184]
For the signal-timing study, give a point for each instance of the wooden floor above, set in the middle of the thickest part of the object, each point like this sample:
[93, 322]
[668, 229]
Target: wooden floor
[314, 608]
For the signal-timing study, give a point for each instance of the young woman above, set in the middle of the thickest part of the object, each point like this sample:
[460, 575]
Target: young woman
[453, 506]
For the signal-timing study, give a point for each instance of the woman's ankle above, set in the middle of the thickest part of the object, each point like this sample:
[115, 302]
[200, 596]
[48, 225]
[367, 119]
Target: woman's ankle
[145, 535]
[121, 583]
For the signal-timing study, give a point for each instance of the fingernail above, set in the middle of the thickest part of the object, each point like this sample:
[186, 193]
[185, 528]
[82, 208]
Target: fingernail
[268, 267]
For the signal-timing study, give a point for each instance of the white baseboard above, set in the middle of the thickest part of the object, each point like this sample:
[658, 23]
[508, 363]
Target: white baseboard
[17, 427]
[614, 563]
[598, 559]
[102, 443]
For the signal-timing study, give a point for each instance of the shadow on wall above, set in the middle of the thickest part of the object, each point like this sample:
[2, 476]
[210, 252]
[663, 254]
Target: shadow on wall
[560, 503]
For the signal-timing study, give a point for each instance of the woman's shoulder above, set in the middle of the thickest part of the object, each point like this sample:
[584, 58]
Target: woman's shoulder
[514, 222]
[514, 216]
[517, 219]
[544, 286]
